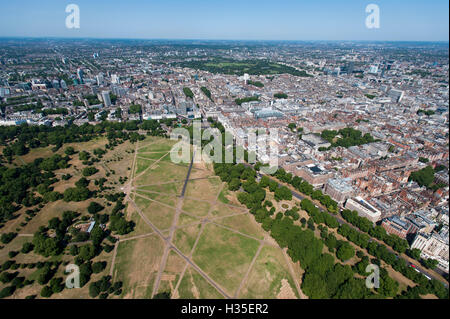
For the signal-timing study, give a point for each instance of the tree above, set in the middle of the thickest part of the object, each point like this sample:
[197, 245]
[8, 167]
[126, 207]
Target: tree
[46, 273]
[314, 286]
[283, 193]
[84, 156]
[292, 126]
[73, 250]
[7, 237]
[87, 252]
[98, 267]
[94, 289]
[345, 251]
[76, 194]
[7, 291]
[82, 182]
[423, 177]
[120, 224]
[69, 150]
[6, 277]
[56, 285]
[88, 171]
[94, 208]
[27, 247]
[388, 286]
[234, 184]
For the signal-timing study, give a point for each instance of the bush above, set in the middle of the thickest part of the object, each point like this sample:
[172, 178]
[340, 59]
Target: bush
[98, 267]
[88, 171]
[6, 238]
[7, 291]
[27, 247]
[13, 254]
[94, 208]
[46, 292]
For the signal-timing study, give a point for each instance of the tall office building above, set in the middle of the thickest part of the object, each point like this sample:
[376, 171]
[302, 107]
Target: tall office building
[100, 79]
[63, 85]
[115, 79]
[80, 75]
[373, 69]
[4, 92]
[55, 84]
[106, 98]
[350, 67]
[396, 95]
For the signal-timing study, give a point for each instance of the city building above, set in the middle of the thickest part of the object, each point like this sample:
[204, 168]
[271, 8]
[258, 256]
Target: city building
[396, 95]
[397, 226]
[314, 174]
[106, 98]
[339, 189]
[434, 246]
[363, 208]
[80, 75]
[315, 141]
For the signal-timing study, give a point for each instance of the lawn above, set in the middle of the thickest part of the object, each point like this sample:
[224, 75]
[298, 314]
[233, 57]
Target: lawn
[265, 280]
[206, 189]
[137, 264]
[246, 224]
[224, 255]
[159, 215]
[184, 238]
[194, 286]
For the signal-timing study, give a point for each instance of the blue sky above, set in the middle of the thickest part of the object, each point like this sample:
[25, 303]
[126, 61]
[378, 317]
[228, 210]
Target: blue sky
[400, 20]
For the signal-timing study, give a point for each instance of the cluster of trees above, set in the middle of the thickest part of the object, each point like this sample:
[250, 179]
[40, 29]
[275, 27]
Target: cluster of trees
[426, 112]
[246, 99]
[356, 237]
[318, 216]
[92, 99]
[134, 108]
[398, 264]
[18, 184]
[76, 194]
[188, 92]
[255, 83]
[234, 67]
[88, 171]
[59, 110]
[349, 137]
[103, 287]
[280, 95]
[304, 187]
[118, 223]
[206, 92]
[153, 127]
[45, 245]
[425, 177]
[18, 140]
[398, 244]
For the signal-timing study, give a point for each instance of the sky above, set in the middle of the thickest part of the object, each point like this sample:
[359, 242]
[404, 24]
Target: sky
[400, 20]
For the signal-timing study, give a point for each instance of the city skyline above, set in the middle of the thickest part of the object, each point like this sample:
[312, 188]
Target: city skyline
[200, 20]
